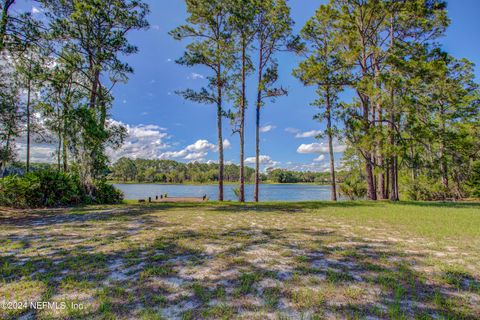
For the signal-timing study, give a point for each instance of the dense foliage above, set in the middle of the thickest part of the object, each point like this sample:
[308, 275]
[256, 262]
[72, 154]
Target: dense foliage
[49, 188]
[57, 72]
[413, 124]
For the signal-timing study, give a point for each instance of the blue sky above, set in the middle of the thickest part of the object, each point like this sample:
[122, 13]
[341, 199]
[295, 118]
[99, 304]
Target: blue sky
[163, 125]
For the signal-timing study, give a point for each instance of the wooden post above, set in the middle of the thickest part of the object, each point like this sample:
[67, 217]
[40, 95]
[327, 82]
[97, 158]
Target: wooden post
[149, 199]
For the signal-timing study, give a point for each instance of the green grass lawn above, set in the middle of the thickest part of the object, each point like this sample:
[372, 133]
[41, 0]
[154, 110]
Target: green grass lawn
[312, 260]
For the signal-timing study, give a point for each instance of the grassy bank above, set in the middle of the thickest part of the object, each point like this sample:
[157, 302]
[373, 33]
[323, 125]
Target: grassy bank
[274, 260]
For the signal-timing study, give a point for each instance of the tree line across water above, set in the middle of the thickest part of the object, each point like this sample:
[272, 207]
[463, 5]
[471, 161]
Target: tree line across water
[170, 171]
[413, 126]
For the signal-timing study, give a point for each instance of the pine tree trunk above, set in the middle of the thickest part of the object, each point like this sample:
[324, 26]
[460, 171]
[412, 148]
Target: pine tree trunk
[394, 196]
[28, 122]
[257, 150]
[443, 159]
[220, 135]
[330, 148]
[242, 125]
[371, 192]
[257, 125]
[387, 178]
[59, 151]
[65, 139]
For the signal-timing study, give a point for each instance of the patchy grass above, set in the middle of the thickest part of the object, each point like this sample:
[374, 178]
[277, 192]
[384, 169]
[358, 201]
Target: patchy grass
[311, 260]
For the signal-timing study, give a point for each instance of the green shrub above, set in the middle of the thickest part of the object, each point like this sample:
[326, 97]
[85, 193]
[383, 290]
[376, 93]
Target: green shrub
[474, 181]
[105, 193]
[425, 189]
[353, 187]
[50, 188]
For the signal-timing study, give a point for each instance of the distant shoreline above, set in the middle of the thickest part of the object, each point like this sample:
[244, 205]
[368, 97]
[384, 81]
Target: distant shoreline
[215, 184]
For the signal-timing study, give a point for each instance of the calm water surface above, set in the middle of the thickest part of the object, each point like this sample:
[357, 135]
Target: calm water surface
[268, 192]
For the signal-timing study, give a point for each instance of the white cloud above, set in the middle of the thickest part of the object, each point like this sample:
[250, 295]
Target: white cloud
[320, 158]
[291, 130]
[195, 76]
[319, 148]
[226, 144]
[173, 154]
[308, 134]
[156, 27]
[142, 141]
[196, 156]
[194, 152]
[264, 160]
[201, 146]
[313, 167]
[36, 10]
[44, 153]
[267, 128]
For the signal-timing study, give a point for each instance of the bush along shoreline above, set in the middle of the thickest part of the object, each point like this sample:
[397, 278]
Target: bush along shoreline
[49, 188]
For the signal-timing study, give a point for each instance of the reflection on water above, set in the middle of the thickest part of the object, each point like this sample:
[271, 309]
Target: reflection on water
[268, 192]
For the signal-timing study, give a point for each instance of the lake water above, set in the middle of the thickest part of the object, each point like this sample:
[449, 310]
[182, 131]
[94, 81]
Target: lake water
[268, 192]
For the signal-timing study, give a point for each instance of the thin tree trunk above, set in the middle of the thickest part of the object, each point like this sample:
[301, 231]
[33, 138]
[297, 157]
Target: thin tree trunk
[242, 125]
[330, 148]
[394, 196]
[65, 139]
[412, 155]
[443, 159]
[3, 164]
[257, 150]
[371, 192]
[397, 189]
[59, 151]
[380, 159]
[257, 124]
[28, 122]
[220, 135]
[387, 178]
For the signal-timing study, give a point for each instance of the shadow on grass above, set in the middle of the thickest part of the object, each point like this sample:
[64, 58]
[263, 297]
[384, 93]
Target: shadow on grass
[172, 273]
